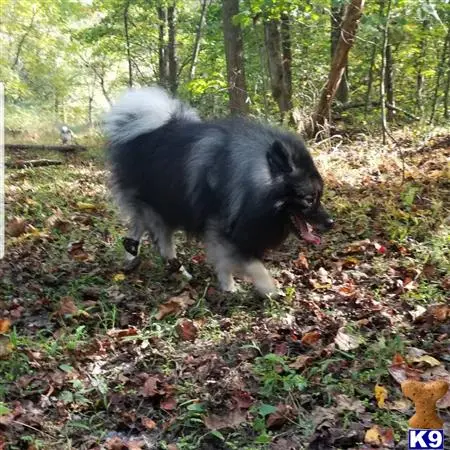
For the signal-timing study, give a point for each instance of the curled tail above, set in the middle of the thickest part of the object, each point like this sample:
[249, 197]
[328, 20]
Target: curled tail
[143, 110]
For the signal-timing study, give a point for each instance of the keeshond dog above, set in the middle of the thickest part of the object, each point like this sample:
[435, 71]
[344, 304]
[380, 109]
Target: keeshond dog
[238, 185]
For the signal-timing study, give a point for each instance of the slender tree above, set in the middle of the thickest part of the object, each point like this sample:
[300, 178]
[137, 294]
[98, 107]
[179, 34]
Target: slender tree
[198, 34]
[126, 21]
[234, 53]
[278, 76]
[337, 14]
[162, 50]
[384, 47]
[171, 48]
[321, 116]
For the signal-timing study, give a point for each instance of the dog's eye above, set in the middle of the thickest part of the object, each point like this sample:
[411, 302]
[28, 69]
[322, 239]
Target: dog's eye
[308, 201]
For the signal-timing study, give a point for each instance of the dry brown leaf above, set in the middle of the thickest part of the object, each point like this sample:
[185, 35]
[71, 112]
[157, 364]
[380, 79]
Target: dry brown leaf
[311, 337]
[4, 325]
[174, 306]
[231, 420]
[187, 330]
[117, 333]
[168, 404]
[148, 423]
[439, 312]
[301, 262]
[150, 388]
[301, 362]
[77, 252]
[67, 306]
[279, 417]
[379, 437]
[402, 372]
[346, 341]
[58, 223]
[16, 227]
[243, 399]
[172, 447]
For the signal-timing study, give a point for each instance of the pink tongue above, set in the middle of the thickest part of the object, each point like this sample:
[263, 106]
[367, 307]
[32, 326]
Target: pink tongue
[307, 234]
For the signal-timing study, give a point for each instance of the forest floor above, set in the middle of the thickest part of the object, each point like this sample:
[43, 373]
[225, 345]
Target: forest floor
[92, 357]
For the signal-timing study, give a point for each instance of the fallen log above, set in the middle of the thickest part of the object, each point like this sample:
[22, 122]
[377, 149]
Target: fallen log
[57, 148]
[20, 164]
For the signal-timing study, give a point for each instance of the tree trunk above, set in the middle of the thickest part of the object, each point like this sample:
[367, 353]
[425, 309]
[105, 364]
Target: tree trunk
[420, 79]
[23, 39]
[234, 53]
[127, 42]
[337, 14]
[272, 38]
[370, 78]
[440, 70]
[286, 48]
[171, 49]
[349, 27]
[446, 95]
[198, 35]
[383, 70]
[162, 54]
[389, 81]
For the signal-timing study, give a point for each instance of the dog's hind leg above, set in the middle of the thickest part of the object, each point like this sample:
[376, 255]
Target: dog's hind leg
[220, 255]
[161, 234]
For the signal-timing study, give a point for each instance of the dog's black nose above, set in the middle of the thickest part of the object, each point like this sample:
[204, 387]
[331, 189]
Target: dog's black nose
[329, 223]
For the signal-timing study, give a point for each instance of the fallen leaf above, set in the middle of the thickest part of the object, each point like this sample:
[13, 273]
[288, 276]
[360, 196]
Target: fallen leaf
[301, 262]
[116, 333]
[301, 362]
[243, 399]
[381, 395]
[6, 347]
[16, 227]
[168, 404]
[433, 362]
[150, 387]
[118, 277]
[379, 437]
[116, 443]
[58, 223]
[311, 337]
[400, 370]
[231, 420]
[148, 423]
[86, 206]
[172, 447]
[346, 341]
[67, 306]
[345, 403]
[439, 312]
[4, 325]
[187, 330]
[77, 252]
[174, 305]
[278, 418]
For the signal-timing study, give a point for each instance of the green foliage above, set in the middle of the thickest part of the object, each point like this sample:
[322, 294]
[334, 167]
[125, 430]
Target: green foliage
[277, 377]
[60, 57]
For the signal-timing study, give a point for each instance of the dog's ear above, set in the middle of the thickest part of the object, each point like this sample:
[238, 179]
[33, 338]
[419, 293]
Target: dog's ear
[279, 159]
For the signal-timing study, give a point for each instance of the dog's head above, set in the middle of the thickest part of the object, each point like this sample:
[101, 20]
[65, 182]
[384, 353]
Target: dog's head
[299, 187]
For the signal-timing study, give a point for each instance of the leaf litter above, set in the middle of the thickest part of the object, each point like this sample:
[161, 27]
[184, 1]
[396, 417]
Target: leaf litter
[167, 357]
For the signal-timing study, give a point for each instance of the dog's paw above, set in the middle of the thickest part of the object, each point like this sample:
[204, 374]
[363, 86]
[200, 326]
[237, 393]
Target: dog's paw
[132, 264]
